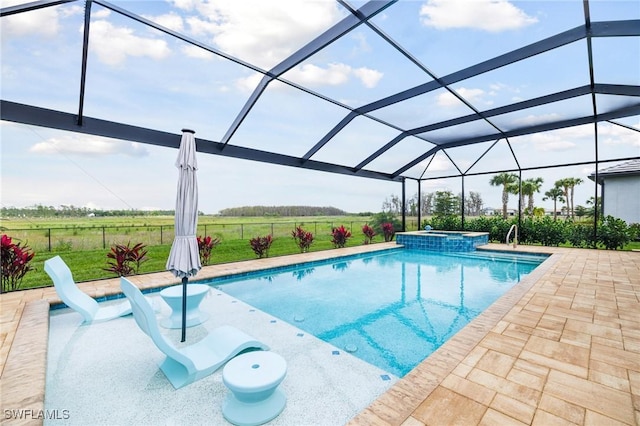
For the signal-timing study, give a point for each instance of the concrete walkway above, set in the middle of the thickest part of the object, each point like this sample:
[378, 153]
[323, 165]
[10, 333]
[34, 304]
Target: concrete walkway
[561, 347]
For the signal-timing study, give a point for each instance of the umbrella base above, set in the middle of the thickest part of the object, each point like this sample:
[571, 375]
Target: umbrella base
[173, 297]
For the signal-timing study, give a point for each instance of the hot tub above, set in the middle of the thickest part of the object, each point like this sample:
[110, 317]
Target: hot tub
[443, 241]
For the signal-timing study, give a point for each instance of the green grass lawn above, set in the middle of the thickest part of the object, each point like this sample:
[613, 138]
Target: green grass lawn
[89, 265]
[89, 234]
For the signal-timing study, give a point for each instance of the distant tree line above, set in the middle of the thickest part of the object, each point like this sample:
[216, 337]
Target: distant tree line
[444, 203]
[435, 203]
[41, 211]
[256, 211]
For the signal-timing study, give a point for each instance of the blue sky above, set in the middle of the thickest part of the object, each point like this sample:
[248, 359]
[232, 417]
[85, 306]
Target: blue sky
[139, 76]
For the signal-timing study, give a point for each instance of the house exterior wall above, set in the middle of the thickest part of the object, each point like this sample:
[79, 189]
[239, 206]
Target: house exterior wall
[622, 198]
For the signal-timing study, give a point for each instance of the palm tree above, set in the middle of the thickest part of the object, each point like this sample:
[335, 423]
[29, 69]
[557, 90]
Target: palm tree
[592, 202]
[514, 189]
[554, 194]
[529, 188]
[573, 182]
[506, 180]
[564, 185]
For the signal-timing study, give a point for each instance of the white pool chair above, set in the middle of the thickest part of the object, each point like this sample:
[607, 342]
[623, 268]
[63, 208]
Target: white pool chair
[185, 365]
[76, 299]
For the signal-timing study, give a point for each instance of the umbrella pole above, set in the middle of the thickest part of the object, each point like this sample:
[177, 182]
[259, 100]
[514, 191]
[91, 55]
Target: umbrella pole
[184, 308]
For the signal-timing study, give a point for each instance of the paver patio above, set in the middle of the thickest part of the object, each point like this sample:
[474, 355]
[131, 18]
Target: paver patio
[561, 347]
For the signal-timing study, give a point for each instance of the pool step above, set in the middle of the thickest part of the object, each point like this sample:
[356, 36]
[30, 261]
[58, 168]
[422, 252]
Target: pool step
[501, 256]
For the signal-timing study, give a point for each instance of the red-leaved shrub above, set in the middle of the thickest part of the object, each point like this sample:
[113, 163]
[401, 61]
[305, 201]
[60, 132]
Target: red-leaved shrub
[126, 260]
[15, 263]
[369, 233]
[340, 236]
[261, 245]
[388, 231]
[302, 238]
[205, 245]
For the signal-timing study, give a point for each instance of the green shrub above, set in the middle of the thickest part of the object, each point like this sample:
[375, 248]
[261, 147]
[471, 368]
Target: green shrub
[496, 226]
[480, 224]
[613, 233]
[550, 232]
[580, 235]
[528, 232]
[445, 223]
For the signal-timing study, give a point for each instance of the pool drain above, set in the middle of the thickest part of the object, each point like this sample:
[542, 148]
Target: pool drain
[351, 348]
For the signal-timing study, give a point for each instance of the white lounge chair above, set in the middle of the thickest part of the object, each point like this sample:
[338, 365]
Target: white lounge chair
[76, 299]
[183, 366]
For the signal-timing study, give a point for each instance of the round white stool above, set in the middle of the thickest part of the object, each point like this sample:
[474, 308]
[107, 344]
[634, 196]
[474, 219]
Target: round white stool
[173, 296]
[253, 379]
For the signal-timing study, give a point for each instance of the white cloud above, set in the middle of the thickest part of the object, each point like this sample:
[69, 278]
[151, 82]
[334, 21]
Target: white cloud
[71, 10]
[447, 99]
[171, 20]
[185, 4]
[87, 145]
[487, 15]
[311, 75]
[263, 33]
[100, 14]
[361, 40]
[334, 74]
[200, 27]
[113, 44]
[617, 135]
[248, 84]
[439, 164]
[557, 140]
[43, 22]
[368, 77]
[531, 119]
[547, 143]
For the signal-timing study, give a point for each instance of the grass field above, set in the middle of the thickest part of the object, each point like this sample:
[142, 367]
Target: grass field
[84, 243]
[140, 221]
[96, 233]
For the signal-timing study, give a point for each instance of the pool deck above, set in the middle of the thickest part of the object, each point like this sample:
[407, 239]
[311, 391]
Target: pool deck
[561, 347]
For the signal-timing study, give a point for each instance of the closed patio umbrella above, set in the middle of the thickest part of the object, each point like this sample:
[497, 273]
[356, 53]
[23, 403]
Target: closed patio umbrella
[184, 258]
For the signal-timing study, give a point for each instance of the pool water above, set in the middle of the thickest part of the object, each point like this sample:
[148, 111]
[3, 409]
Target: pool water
[391, 309]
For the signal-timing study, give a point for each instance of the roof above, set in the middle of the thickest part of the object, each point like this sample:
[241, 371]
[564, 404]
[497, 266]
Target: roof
[408, 117]
[628, 168]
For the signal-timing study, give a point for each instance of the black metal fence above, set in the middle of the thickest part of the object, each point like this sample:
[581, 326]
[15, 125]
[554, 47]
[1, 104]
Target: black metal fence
[102, 237]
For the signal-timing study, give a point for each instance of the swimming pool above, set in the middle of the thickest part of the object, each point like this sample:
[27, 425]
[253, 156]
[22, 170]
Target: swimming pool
[391, 308]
